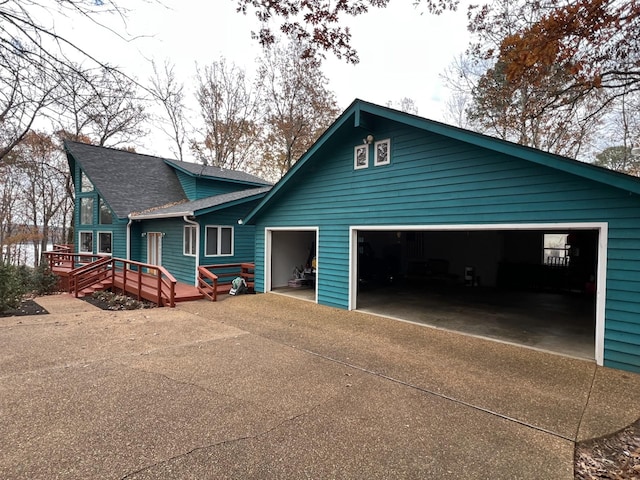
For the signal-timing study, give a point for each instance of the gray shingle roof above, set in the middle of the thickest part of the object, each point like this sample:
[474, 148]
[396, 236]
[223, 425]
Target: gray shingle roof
[217, 172]
[134, 183]
[127, 181]
[192, 208]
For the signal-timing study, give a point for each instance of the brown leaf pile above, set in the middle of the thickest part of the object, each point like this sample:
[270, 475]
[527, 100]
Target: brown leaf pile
[614, 457]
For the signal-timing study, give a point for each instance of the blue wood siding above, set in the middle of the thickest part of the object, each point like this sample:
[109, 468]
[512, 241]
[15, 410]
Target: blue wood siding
[197, 188]
[208, 187]
[118, 228]
[434, 180]
[244, 235]
[183, 267]
[188, 185]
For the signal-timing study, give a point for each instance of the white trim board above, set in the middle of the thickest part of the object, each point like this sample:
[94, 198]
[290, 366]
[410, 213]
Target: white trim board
[601, 280]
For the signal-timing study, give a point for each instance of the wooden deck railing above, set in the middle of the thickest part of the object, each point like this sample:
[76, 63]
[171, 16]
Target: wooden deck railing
[141, 280]
[215, 279]
[89, 274]
[64, 261]
[151, 282]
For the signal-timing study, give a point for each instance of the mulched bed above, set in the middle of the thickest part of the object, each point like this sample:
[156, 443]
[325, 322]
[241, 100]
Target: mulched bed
[614, 457]
[27, 307]
[112, 301]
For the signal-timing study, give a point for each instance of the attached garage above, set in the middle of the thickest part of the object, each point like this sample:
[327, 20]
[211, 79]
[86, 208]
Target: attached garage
[524, 284]
[389, 205]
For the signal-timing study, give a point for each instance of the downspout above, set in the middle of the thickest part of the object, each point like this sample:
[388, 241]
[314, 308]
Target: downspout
[186, 220]
[129, 239]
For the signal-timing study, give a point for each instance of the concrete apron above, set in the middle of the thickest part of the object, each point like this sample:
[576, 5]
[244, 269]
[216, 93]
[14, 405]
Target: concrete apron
[265, 386]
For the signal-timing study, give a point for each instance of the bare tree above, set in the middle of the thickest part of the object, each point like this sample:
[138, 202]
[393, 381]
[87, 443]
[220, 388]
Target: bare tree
[25, 91]
[405, 104]
[229, 106]
[169, 93]
[10, 192]
[298, 106]
[43, 175]
[102, 106]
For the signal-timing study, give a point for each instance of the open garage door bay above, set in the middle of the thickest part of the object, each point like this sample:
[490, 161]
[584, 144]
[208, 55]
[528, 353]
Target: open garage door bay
[539, 286]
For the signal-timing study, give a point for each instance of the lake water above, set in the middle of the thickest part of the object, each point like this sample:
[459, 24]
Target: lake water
[24, 254]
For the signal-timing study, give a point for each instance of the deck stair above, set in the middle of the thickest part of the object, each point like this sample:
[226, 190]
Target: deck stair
[86, 274]
[214, 280]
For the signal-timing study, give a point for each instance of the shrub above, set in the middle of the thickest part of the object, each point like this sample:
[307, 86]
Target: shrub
[12, 286]
[43, 280]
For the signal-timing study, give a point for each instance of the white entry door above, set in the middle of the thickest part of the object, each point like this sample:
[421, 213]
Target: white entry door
[154, 249]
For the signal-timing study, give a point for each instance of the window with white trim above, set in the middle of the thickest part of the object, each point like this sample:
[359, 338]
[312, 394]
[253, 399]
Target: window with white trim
[105, 242]
[190, 236]
[86, 242]
[218, 241]
[382, 152]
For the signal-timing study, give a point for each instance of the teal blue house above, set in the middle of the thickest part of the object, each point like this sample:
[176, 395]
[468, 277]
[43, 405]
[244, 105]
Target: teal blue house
[164, 212]
[384, 195]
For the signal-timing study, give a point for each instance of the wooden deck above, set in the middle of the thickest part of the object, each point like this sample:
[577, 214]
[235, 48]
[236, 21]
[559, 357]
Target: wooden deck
[182, 293]
[83, 275]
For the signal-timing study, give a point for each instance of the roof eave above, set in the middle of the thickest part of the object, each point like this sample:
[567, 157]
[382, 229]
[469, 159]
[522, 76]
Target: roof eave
[213, 177]
[155, 216]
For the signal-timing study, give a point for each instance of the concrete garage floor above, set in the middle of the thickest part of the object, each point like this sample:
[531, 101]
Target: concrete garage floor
[555, 322]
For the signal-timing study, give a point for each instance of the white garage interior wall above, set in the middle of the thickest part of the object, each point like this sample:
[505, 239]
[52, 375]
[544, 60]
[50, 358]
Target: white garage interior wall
[289, 249]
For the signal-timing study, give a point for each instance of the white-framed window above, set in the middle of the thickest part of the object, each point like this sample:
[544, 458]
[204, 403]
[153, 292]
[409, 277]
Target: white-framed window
[382, 152]
[105, 243]
[86, 211]
[361, 156]
[218, 241]
[104, 212]
[86, 242]
[190, 236]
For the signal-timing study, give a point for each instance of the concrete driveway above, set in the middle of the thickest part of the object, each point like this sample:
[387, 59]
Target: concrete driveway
[265, 386]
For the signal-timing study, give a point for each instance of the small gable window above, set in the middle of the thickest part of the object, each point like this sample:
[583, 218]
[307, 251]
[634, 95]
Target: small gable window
[106, 218]
[382, 155]
[219, 241]
[86, 211]
[361, 156]
[190, 235]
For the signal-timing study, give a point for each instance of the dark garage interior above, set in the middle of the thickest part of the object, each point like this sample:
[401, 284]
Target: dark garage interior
[528, 287]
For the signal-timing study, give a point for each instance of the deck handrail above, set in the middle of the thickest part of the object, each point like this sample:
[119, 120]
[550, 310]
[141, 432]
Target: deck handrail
[208, 283]
[99, 267]
[67, 259]
[89, 274]
[209, 290]
[165, 283]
